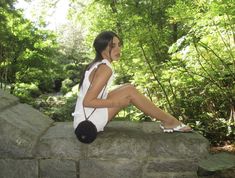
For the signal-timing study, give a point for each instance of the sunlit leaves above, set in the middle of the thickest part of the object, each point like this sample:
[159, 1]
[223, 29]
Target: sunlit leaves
[206, 56]
[26, 50]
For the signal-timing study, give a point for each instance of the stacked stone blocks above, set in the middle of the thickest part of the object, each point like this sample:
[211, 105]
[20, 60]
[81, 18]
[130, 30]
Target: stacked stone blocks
[34, 146]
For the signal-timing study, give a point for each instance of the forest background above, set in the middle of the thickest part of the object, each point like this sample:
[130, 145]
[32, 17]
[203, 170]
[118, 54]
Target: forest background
[179, 53]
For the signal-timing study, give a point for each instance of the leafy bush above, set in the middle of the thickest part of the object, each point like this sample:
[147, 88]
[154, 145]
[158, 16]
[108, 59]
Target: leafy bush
[37, 76]
[26, 92]
[66, 86]
[58, 107]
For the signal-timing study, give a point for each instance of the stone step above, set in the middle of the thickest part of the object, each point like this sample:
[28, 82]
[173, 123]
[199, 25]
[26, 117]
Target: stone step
[133, 140]
[129, 148]
[20, 128]
[220, 165]
[7, 100]
[62, 168]
[172, 175]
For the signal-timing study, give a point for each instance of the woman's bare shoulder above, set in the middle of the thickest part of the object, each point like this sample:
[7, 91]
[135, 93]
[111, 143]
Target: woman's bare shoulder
[104, 69]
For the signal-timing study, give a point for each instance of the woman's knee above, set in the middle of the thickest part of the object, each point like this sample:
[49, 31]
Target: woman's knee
[130, 87]
[126, 89]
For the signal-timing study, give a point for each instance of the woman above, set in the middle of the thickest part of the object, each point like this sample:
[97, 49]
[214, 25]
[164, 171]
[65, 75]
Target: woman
[101, 105]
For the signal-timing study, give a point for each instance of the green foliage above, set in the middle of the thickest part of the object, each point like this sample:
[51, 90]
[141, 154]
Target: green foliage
[203, 60]
[26, 92]
[28, 54]
[66, 86]
[58, 107]
[38, 77]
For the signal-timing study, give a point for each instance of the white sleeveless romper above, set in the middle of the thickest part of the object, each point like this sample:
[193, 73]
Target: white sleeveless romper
[100, 117]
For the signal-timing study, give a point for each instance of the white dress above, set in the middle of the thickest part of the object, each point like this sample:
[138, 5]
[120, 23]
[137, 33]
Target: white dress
[100, 117]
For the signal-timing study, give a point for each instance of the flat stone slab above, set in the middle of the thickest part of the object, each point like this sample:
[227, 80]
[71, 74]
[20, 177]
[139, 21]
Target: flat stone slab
[116, 168]
[7, 100]
[20, 128]
[146, 140]
[218, 165]
[60, 142]
[11, 168]
[171, 175]
[54, 168]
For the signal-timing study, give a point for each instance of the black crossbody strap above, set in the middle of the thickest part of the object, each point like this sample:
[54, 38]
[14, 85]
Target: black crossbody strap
[89, 88]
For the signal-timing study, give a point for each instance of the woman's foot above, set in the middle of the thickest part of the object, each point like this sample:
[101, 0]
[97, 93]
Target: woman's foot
[175, 126]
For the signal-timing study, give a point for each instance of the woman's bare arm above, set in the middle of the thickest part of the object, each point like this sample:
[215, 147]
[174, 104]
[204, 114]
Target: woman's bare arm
[101, 78]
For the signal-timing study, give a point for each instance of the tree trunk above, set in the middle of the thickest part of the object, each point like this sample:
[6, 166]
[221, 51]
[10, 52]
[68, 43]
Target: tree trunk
[232, 115]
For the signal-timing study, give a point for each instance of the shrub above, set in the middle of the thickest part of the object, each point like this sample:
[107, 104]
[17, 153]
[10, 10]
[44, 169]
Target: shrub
[66, 86]
[32, 75]
[26, 92]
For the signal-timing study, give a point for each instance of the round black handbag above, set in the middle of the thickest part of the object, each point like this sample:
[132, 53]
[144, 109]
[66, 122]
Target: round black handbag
[86, 131]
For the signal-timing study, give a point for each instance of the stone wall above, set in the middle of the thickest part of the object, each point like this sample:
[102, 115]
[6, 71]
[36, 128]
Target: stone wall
[34, 146]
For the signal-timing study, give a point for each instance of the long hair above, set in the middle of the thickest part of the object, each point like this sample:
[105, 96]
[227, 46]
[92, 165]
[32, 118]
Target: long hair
[100, 43]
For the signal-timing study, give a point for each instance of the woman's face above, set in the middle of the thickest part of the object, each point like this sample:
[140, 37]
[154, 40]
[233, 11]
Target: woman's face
[115, 48]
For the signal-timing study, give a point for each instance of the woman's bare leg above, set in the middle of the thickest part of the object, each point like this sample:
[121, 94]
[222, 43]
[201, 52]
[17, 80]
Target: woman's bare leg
[128, 91]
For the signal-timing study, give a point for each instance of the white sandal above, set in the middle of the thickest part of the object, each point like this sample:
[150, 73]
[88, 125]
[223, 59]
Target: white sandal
[175, 129]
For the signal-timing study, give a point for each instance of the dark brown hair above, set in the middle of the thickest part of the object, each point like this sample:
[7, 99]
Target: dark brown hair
[100, 43]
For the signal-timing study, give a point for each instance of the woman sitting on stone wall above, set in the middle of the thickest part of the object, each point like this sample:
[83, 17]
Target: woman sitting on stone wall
[96, 106]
